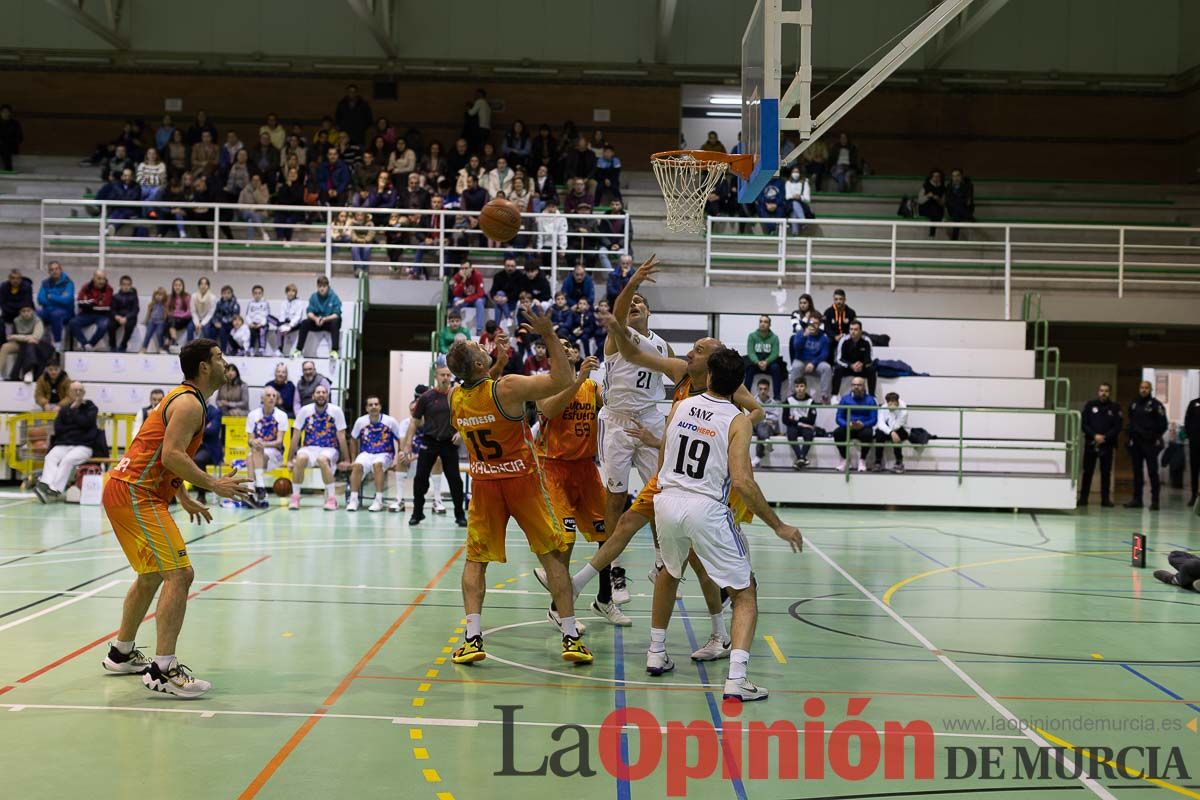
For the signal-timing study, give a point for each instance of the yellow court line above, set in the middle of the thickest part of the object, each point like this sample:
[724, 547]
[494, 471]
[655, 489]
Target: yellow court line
[424, 687]
[447, 649]
[1133, 773]
[420, 753]
[439, 660]
[431, 775]
[444, 796]
[770, 640]
[418, 702]
[431, 673]
[416, 734]
[895, 587]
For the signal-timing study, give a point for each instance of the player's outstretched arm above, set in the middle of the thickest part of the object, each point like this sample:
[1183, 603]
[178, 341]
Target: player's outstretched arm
[673, 368]
[553, 407]
[747, 402]
[644, 273]
[514, 391]
[184, 419]
[742, 475]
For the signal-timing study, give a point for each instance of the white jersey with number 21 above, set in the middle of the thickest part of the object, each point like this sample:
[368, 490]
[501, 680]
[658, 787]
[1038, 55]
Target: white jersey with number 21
[628, 388]
[696, 453]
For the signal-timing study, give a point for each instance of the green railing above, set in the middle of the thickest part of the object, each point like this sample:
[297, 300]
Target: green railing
[1069, 445]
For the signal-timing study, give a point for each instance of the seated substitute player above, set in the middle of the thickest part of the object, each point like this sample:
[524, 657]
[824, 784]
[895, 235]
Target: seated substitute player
[566, 443]
[136, 497]
[489, 414]
[706, 449]
[376, 436]
[322, 426]
[265, 428]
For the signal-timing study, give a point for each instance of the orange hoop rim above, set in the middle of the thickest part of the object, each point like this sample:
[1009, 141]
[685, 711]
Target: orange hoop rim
[741, 164]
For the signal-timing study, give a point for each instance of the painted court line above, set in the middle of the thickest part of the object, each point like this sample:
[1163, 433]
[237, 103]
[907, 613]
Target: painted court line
[57, 606]
[983, 694]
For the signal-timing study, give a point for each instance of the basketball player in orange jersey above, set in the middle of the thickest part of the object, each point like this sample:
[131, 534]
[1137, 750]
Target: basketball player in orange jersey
[489, 415]
[566, 443]
[135, 499]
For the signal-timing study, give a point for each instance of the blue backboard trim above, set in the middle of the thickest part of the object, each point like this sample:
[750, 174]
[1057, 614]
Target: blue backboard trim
[768, 151]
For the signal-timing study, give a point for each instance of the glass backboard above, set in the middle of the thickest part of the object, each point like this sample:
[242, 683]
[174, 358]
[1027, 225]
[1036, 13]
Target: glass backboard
[760, 97]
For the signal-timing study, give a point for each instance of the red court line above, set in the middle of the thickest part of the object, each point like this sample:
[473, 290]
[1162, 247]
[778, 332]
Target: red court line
[106, 637]
[290, 745]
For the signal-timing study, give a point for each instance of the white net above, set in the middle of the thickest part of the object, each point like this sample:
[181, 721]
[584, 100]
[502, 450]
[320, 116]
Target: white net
[686, 182]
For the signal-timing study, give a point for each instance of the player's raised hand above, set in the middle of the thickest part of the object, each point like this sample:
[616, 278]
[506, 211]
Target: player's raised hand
[229, 486]
[588, 366]
[791, 535]
[539, 321]
[646, 272]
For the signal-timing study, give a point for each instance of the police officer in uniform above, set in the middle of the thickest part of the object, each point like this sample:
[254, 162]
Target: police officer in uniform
[1147, 424]
[1191, 424]
[1101, 426]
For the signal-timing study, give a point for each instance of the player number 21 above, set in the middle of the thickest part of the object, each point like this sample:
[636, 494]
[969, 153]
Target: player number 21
[485, 448]
[693, 457]
[643, 379]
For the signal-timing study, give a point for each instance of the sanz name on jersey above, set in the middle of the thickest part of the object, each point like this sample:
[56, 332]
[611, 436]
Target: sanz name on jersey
[470, 422]
[486, 468]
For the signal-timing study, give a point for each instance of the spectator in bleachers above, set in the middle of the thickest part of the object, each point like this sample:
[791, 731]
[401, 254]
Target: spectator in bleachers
[239, 336]
[499, 179]
[362, 236]
[771, 205]
[838, 317]
[800, 422]
[588, 332]
[237, 178]
[52, 386]
[466, 290]
[264, 160]
[202, 125]
[206, 156]
[543, 150]
[310, 379]
[291, 315]
[202, 192]
[816, 163]
[152, 176]
[1147, 424]
[333, 179]
[402, 162]
[57, 300]
[854, 357]
[413, 195]
[285, 389]
[324, 313]
[157, 315]
[179, 315]
[517, 147]
[809, 351]
[804, 307]
[504, 290]
[253, 196]
[204, 308]
[156, 396]
[578, 196]
[580, 162]
[473, 168]
[537, 363]
[535, 283]
[433, 164]
[960, 200]
[353, 114]
[276, 133]
[116, 163]
[472, 197]
[543, 189]
[258, 312]
[844, 163]
[769, 425]
[24, 344]
[124, 190]
[175, 153]
[608, 175]
[619, 276]
[713, 143]
[458, 158]
[289, 193]
[931, 201]
[453, 332]
[798, 195]
[125, 307]
[76, 439]
[11, 136]
[384, 130]
[233, 398]
[891, 427]
[228, 154]
[16, 295]
[856, 416]
[477, 123]
[380, 151]
[597, 142]
[178, 191]
[227, 308]
[762, 355]
[578, 285]
[583, 230]
[294, 148]
[563, 317]
[614, 226]
[520, 196]
[552, 228]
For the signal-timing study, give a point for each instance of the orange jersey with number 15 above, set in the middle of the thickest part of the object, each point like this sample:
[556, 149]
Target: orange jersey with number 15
[571, 436]
[499, 446]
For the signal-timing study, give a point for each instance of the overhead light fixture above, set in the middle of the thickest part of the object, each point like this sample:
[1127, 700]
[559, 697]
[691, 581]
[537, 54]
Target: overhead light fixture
[617, 73]
[725, 100]
[434, 68]
[732, 114]
[77, 60]
[247, 64]
[347, 67]
[525, 70]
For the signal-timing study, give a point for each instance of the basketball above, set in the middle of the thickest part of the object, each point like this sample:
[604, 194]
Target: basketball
[500, 220]
[282, 487]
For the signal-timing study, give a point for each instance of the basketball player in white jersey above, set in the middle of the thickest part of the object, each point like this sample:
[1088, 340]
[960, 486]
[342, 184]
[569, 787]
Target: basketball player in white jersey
[631, 397]
[706, 453]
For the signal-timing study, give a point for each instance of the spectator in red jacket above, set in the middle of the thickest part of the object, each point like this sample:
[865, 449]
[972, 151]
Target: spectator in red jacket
[466, 289]
[95, 308]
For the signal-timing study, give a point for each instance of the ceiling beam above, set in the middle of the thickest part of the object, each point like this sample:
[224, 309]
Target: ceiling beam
[662, 37]
[969, 23]
[75, 11]
[380, 29]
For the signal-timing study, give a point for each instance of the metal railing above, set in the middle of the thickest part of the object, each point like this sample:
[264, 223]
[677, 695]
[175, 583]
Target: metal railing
[302, 237]
[1115, 257]
[1069, 443]
[21, 458]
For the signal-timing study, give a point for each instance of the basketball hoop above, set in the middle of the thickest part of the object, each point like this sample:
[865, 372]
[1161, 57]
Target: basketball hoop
[686, 178]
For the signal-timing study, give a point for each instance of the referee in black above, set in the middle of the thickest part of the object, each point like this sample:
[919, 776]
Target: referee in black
[1101, 428]
[1191, 424]
[432, 413]
[1147, 424]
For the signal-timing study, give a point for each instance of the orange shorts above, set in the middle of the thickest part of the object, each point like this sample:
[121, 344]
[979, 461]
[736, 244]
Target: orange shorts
[644, 503]
[144, 527]
[577, 495]
[494, 502]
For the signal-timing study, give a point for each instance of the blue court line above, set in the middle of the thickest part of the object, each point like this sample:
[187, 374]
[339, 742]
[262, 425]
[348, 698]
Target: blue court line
[623, 788]
[957, 572]
[738, 789]
[1160, 687]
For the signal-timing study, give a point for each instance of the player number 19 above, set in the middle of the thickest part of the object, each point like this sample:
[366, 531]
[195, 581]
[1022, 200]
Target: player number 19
[693, 457]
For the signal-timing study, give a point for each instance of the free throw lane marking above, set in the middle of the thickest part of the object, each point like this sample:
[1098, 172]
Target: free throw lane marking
[779, 656]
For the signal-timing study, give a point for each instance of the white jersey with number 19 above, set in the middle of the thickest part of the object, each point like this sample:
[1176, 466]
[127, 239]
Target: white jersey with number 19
[628, 388]
[696, 453]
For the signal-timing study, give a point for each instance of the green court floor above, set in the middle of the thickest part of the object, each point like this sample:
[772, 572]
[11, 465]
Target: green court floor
[327, 637]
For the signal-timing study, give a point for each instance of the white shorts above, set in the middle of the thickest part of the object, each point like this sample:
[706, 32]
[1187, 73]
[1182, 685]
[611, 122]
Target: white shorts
[619, 451]
[369, 460]
[313, 454]
[274, 458]
[688, 521]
